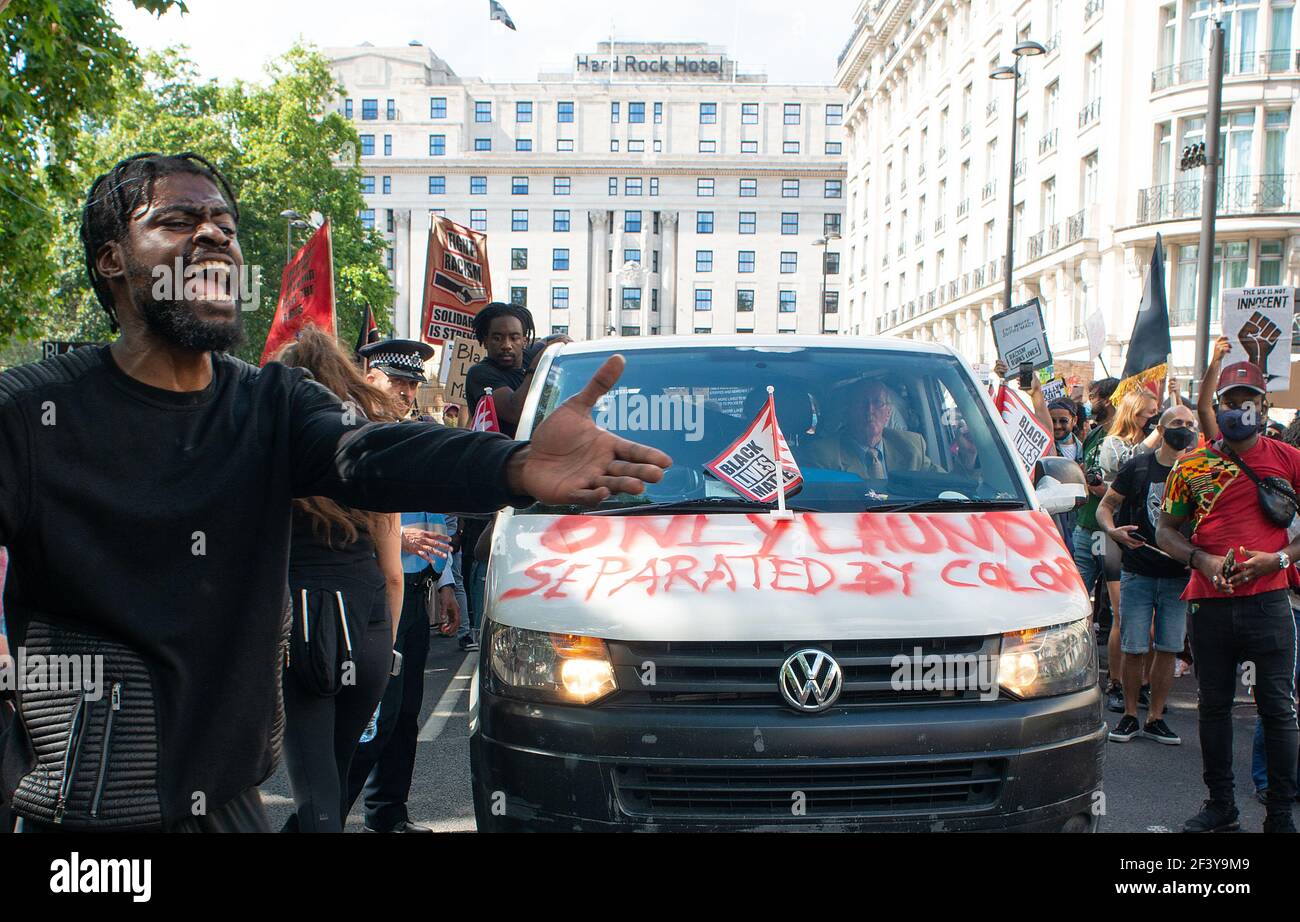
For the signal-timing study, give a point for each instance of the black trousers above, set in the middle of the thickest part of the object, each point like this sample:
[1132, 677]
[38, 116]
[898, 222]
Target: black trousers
[1258, 630]
[383, 767]
[321, 733]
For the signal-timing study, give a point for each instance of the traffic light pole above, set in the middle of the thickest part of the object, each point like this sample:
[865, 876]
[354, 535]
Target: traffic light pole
[1209, 201]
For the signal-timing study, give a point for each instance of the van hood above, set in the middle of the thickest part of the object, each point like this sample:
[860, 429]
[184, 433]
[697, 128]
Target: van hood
[817, 576]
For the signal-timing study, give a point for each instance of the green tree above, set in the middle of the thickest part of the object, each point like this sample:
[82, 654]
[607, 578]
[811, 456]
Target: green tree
[59, 64]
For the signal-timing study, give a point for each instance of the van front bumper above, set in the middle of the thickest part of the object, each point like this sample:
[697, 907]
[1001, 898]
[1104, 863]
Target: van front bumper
[943, 767]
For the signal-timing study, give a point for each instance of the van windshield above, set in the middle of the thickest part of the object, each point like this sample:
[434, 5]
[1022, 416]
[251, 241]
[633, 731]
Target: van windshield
[868, 428]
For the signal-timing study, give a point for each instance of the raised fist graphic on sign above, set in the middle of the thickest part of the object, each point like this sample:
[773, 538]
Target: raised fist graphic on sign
[1259, 336]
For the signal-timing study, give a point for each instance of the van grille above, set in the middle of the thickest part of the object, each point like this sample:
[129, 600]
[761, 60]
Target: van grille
[744, 673]
[767, 792]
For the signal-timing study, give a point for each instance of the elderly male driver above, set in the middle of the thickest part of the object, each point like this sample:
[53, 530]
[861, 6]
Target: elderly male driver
[866, 446]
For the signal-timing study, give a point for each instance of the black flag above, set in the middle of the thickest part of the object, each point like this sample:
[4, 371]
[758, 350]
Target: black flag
[1149, 346]
[369, 332]
[498, 12]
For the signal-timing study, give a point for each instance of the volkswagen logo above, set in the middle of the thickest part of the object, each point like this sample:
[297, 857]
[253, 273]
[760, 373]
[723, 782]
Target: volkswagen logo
[810, 680]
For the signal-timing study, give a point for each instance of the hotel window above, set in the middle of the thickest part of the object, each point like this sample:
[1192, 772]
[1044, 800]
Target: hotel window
[523, 145]
[519, 295]
[478, 219]
[560, 259]
[561, 185]
[632, 185]
[630, 331]
[831, 302]
[791, 113]
[749, 113]
[437, 145]
[369, 110]
[834, 113]
[636, 113]
[708, 113]
[523, 112]
[519, 219]
[749, 222]
[613, 112]
[367, 145]
[367, 185]
[631, 299]
[654, 267]
[834, 148]
[482, 144]
[788, 303]
[708, 147]
[437, 107]
[744, 300]
[789, 188]
[347, 108]
[748, 188]
[519, 258]
[659, 113]
[564, 145]
[704, 299]
[789, 262]
[388, 257]
[703, 260]
[632, 255]
[749, 147]
[635, 146]
[631, 222]
[659, 146]
[613, 145]
[832, 263]
[790, 147]
[704, 188]
[483, 111]
[437, 185]
[746, 261]
[613, 185]
[388, 145]
[519, 185]
[388, 185]
[478, 185]
[834, 188]
[703, 222]
[368, 218]
[831, 223]
[789, 222]
[560, 298]
[564, 111]
[1090, 179]
[390, 109]
[560, 220]
[654, 185]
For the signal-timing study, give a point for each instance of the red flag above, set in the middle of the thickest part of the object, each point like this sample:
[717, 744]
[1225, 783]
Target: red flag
[485, 415]
[306, 293]
[749, 466]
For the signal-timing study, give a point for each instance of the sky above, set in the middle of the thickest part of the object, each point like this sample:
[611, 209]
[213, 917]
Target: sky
[229, 39]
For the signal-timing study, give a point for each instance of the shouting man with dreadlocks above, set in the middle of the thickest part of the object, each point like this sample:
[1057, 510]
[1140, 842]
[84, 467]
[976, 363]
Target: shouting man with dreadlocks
[506, 333]
[168, 468]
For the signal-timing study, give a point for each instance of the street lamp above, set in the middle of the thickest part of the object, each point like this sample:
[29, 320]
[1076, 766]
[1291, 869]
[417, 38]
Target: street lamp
[824, 242]
[1025, 49]
[292, 220]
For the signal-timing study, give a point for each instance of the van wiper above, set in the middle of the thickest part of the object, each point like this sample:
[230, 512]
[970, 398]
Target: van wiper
[947, 503]
[699, 503]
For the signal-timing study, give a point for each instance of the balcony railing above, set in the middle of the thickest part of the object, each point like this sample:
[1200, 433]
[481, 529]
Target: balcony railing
[1092, 9]
[1054, 237]
[990, 189]
[965, 131]
[918, 238]
[1281, 61]
[920, 171]
[1237, 195]
[1090, 113]
[1047, 142]
[1076, 226]
[991, 109]
[963, 207]
[1034, 248]
[1053, 43]
[1019, 170]
[938, 225]
[943, 153]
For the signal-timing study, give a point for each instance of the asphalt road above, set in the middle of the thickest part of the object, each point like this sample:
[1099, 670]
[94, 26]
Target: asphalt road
[1149, 787]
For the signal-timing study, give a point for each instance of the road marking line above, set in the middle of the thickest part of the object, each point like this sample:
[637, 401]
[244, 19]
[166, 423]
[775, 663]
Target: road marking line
[445, 707]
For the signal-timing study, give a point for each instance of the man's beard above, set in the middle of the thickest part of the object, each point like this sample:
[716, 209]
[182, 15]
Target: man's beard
[174, 321]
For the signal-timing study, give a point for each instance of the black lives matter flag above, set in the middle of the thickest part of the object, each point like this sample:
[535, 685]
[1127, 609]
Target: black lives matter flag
[751, 462]
[456, 281]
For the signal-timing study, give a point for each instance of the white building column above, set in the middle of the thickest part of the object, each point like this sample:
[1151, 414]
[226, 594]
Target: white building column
[402, 275]
[668, 273]
[597, 244]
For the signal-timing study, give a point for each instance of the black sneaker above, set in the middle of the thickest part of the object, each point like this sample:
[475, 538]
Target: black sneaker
[1125, 730]
[1144, 696]
[1215, 817]
[1279, 824]
[1159, 731]
[1115, 698]
[467, 645]
[1261, 795]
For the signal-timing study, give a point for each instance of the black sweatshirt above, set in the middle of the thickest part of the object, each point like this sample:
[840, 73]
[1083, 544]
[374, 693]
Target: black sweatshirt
[162, 520]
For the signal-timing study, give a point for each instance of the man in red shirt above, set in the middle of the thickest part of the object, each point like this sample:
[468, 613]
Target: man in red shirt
[1241, 612]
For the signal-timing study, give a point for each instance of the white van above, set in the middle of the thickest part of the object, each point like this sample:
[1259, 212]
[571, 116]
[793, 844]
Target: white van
[909, 650]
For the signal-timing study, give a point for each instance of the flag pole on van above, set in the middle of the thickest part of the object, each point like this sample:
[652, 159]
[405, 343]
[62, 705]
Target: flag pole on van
[780, 512]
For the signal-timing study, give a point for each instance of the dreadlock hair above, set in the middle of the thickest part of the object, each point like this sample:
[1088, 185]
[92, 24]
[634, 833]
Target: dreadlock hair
[115, 196]
[483, 319]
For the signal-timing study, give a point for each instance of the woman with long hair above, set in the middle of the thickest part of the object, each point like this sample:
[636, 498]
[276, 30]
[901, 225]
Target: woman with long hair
[1132, 430]
[345, 582]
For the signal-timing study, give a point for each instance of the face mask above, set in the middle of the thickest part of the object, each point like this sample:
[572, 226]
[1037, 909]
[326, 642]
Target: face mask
[1180, 439]
[1150, 426]
[1233, 428]
[1087, 411]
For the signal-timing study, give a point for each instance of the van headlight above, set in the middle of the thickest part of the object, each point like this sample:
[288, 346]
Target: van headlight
[1048, 660]
[565, 668]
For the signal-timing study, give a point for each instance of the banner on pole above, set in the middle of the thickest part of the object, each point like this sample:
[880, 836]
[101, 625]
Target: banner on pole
[748, 464]
[306, 293]
[1028, 437]
[457, 284]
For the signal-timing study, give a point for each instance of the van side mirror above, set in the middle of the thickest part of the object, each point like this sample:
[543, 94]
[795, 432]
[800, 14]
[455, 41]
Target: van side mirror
[1059, 485]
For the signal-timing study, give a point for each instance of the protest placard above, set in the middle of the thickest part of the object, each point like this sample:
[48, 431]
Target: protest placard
[1257, 322]
[1020, 336]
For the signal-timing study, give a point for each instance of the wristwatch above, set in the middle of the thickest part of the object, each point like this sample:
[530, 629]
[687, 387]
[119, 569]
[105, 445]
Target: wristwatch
[1283, 561]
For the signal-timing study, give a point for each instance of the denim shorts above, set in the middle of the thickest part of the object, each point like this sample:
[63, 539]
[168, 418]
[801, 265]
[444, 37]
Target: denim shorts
[1142, 598]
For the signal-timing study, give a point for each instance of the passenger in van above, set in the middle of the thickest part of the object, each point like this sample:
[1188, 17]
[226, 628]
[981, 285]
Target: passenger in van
[867, 446]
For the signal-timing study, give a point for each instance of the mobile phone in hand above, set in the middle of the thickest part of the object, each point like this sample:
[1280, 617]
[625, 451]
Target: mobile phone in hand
[1229, 564]
[1026, 375]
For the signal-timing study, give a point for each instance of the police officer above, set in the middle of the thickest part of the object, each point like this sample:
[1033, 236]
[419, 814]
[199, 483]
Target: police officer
[397, 365]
